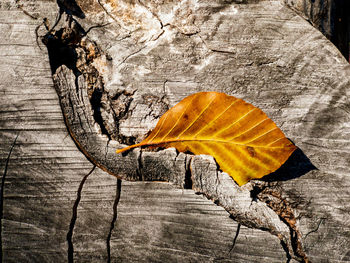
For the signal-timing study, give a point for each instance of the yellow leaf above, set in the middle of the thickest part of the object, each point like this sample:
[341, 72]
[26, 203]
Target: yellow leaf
[243, 140]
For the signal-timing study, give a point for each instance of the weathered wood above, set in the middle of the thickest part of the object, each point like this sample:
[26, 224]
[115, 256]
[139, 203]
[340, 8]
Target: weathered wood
[124, 73]
[45, 170]
[331, 17]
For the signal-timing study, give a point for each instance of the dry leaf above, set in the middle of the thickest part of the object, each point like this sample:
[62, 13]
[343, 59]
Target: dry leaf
[243, 140]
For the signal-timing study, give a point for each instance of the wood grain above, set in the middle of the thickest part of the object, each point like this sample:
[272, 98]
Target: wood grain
[45, 170]
[260, 51]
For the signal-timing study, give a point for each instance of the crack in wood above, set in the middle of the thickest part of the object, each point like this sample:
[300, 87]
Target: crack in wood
[70, 251]
[96, 26]
[20, 6]
[281, 207]
[2, 194]
[114, 219]
[316, 229]
[188, 174]
[96, 104]
[235, 238]
[252, 205]
[109, 14]
[214, 50]
[130, 55]
[286, 250]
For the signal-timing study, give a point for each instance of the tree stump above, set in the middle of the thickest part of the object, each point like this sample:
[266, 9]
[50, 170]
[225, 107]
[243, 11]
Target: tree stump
[82, 79]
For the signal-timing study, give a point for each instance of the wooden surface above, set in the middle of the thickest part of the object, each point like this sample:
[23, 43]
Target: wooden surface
[331, 17]
[276, 61]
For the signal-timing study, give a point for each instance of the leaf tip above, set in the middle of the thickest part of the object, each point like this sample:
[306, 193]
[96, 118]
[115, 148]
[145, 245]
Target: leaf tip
[128, 148]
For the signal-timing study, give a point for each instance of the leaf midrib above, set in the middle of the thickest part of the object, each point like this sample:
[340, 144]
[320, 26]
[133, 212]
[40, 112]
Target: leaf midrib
[197, 140]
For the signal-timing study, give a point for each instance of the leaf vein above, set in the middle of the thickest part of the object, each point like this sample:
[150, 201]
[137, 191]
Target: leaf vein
[232, 124]
[217, 117]
[199, 115]
[254, 139]
[251, 128]
[178, 119]
[275, 141]
[160, 128]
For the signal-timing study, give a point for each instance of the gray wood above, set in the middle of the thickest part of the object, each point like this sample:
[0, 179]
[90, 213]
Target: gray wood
[45, 170]
[133, 68]
[331, 17]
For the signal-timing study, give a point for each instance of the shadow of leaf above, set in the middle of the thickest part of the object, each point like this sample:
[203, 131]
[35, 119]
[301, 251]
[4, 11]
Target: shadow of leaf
[297, 165]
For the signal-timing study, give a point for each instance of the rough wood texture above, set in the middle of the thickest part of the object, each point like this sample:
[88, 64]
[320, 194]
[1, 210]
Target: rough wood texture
[115, 75]
[331, 17]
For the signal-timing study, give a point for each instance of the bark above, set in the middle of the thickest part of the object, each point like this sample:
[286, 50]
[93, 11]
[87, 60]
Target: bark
[116, 70]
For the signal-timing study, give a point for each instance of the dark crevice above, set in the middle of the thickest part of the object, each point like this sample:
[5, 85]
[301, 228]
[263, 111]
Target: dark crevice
[69, 46]
[340, 26]
[2, 193]
[139, 166]
[70, 251]
[65, 47]
[114, 219]
[120, 104]
[223, 51]
[188, 174]
[257, 189]
[70, 8]
[295, 238]
[235, 238]
[76, 83]
[286, 249]
[96, 104]
[62, 51]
